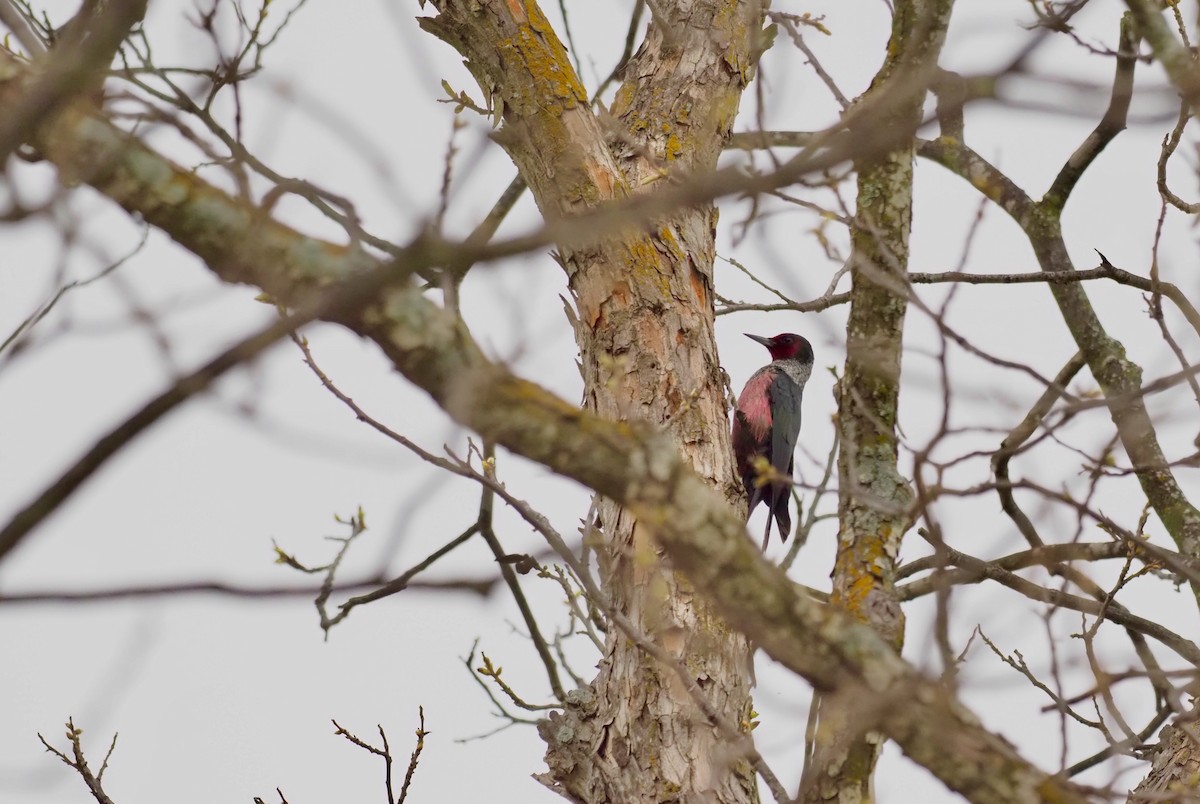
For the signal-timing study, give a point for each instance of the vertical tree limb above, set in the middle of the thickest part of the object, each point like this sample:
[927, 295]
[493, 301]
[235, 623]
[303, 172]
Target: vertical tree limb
[873, 504]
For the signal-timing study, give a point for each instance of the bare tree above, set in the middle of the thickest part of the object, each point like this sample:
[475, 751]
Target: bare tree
[663, 585]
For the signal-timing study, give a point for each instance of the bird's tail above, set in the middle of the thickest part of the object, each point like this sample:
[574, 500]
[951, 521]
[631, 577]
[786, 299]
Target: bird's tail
[777, 497]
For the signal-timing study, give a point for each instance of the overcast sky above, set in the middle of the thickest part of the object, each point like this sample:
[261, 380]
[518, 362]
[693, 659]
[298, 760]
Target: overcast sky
[221, 699]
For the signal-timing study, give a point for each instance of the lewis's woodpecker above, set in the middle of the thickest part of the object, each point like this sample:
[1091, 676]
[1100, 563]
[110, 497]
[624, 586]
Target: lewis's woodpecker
[767, 423]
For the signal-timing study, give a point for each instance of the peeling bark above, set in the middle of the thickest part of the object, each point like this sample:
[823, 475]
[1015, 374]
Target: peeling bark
[644, 325]
[1175, 774]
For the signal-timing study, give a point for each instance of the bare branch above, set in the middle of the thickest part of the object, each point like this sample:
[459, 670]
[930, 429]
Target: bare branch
[416, 755]
[480, 587]
[78, 763]
[1118, 614]
[1112, 124]
[74, 67]
[510, 578]
[14, 19]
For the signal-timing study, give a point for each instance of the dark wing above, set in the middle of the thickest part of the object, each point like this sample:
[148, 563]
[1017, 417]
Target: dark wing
[785, 429]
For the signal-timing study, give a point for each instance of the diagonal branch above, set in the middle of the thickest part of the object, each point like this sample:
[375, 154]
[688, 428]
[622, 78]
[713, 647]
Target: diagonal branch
[1110, 125]
[1119, 377]
[353, 296]
[74, 67]
[1175, 58]
[630, 462]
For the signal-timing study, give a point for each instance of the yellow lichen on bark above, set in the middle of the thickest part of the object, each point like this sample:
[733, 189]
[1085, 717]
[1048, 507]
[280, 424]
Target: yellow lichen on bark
[548, 63]
[645, 262]
[873, 497]
[635, 292]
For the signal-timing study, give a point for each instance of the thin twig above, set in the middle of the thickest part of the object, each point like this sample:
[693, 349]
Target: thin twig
[78, 762]
[1117, 614]
[416, 755]
[351, 295]
[488, 533]
[481, 586]
[1110, 125]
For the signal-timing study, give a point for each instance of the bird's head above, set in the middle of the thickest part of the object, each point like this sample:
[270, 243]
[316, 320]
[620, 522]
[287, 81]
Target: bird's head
[787, 346]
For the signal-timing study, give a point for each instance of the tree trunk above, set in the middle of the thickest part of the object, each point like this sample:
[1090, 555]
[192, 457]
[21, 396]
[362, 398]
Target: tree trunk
[644, 324]
[1175, 775]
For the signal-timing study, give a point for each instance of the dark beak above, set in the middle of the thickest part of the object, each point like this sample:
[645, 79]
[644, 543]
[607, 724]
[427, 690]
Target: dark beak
[767, 342]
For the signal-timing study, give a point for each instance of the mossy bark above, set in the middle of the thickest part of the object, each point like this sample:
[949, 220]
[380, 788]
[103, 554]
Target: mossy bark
[874, 499]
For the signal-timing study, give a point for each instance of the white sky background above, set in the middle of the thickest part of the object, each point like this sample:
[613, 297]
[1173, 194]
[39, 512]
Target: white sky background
[220, 699]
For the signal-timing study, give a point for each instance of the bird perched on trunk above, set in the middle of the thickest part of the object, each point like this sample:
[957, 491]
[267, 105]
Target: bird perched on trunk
[766, 424]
